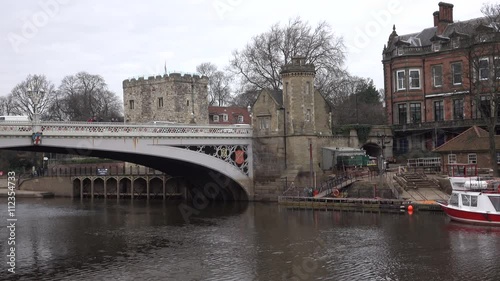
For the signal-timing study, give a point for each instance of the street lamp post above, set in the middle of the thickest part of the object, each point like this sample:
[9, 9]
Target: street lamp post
[284, 132]
[35, 95]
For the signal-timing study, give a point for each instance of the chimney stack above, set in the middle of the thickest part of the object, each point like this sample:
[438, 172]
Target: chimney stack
[445, 16]
[436, 18]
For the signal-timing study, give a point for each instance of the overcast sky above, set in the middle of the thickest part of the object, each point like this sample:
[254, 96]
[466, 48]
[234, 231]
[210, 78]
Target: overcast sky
[120, 39]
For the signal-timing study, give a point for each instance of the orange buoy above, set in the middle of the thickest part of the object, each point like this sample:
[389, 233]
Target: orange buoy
[336, 192]
[410, 208]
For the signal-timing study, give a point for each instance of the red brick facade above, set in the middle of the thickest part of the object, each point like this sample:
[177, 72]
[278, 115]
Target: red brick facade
[427, 78]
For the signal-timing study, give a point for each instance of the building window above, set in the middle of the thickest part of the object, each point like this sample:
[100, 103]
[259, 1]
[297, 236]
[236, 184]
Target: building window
[496, 67]
[224, 118]
[264, 123]
[436, 47]
[216, 118]
[402, 113]
[415, 113]
[402, 145]
[452, 158]
[498, 157]
[414, 78]
[438, 111]
[401, 81]
[484, 107]
[160, 102]
[472, 158]
[240, 119]
[458, 109]
[437, 75]
[308, 87]
[187, 103]
[455, 42]
[131, 104]
[456, 72]
[484, 69]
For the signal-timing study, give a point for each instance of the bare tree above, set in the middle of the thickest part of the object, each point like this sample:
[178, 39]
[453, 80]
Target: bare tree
[7, 106]
[34, 91]
[83, 96]
[259, 63]
[219, 90]
[484, 66]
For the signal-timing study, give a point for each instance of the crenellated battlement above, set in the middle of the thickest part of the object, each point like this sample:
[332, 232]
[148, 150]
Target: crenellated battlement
[171, 77]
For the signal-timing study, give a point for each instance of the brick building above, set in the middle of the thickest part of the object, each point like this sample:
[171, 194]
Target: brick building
[430, 78]
[470, 147]
[219, 115]
[172, 98]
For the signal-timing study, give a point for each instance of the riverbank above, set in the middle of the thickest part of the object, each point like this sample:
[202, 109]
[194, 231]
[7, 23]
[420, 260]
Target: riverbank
[26, 194]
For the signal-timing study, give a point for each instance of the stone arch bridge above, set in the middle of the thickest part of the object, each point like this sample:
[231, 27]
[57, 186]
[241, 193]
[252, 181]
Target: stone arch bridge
[209, 156]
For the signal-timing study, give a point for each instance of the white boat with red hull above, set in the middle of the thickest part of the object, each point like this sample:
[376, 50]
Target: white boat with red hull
[474, 199]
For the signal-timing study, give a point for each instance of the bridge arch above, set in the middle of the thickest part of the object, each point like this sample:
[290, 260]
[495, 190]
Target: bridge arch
[216, 154]
[372, 149]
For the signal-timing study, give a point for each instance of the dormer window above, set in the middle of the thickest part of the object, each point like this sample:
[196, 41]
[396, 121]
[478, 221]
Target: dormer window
[436, 47]
[455, 42]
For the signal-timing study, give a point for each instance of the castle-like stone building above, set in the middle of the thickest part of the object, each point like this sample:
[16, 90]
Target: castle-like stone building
[172, 98]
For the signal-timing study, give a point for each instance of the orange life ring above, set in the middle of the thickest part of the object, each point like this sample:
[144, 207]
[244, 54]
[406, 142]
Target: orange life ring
[336, 192]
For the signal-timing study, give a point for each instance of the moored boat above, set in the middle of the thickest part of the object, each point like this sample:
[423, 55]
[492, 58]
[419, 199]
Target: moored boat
[474, 199]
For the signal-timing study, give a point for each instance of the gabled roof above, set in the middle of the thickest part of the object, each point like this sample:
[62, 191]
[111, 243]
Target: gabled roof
[427, 35]
[232, 111]
[472, 139]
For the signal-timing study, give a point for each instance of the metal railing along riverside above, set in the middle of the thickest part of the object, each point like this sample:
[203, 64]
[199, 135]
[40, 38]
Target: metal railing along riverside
[306, 200]
[327, 186]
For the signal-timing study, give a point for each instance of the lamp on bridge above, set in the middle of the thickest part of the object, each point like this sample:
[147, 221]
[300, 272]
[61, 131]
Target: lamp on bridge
[35, 94]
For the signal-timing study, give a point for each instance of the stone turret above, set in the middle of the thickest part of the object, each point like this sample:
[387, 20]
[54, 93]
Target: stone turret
[299, 96]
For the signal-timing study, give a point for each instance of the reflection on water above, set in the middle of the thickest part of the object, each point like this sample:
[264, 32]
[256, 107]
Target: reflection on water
[61, 239]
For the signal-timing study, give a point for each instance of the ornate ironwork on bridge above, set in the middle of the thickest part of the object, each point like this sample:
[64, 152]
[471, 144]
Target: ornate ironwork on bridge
[235, 155]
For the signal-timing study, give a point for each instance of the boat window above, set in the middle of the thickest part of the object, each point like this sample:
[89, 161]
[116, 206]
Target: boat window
[495, 200]
[454, 199]
[473, 201]
[465, 200]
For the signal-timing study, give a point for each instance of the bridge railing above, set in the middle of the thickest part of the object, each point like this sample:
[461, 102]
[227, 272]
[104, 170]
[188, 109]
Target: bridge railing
[127, 130]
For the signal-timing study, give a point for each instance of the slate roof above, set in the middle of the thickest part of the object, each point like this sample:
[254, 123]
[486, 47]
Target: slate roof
[423, 38]
[472, 139]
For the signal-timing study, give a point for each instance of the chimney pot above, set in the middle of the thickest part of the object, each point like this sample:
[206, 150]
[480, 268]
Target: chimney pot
[436, 18]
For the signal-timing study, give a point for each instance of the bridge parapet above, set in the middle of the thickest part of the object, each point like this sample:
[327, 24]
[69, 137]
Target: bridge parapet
[125, 130]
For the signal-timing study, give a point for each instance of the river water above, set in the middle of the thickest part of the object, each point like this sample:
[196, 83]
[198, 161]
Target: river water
[65, 239]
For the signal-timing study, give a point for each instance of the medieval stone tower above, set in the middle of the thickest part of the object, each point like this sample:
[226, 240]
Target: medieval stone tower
[170, 98]
[298, 96]
[307, 111]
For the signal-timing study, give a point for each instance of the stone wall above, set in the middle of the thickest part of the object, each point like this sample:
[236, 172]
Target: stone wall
[60, 186]
[171, 98]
